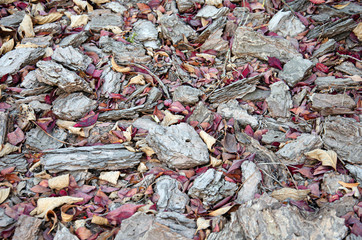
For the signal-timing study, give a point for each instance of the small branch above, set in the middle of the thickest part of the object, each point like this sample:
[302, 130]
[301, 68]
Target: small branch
[348, 56]
[51, 135]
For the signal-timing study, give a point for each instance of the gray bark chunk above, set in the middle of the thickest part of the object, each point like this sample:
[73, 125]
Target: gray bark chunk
[335, 83]
[329, 104]
[330, 182]
[71, 58]
[178, 223]
[13, 20]
[279, 101]
[38, 140]
[257, 95]
[232, 109]
[146, 33]
[344, 136]
[73, 106]
[112, 82]
[30, 81]
[173, 28]
[326, 47]
[201, 114]
[187, 95]
[255, 18]
[38, 106]
[115, 7]
[14, 60]
[338, 29]
[124, 52]
[251, 180]
[286, 24]
[14, 160]
[213, 27]
[64, 233]
[265, 218]
[294, 150]
[212, 12]
[162, 232]
[3, 127]
[216, 42]
[51, 28]
[179, 146]
[348, 68]
[100, 21]
[46, 41]
[295, 70]
[237, 89]
[170, 196]
[185, 5]
[273, 136]
[74, 40]
[135, 227]
[5, 220]
[251, 43]
[355, 170]
[106, 157]
[27, 228]
[129, 113]
[144, 123]
[54, 74]
[211, 187]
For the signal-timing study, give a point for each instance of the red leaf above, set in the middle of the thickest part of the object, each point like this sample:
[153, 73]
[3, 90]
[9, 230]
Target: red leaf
[321, 67]
[236, 164]
[144, 7]
[16, 137]
[177, 107]
[39, 189]
[275, 63]
[83, 233]
[249, 131]
[317, 1]
[87, 121]
[7, 170]
[123, 212]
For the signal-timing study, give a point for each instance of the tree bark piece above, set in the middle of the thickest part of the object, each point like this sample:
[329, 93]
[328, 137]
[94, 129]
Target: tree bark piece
[235, 90]
[333, 29]
[27, 228]
[3, 126]
[106, 157]
[14, 160]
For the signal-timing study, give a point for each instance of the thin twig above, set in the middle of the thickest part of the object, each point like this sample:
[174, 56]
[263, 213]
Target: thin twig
[348, 56]
[164, 88]
[51, 135]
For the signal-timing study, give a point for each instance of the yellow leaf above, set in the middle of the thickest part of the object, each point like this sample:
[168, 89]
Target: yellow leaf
[204, 22]
[328, 158]
[209, 140]
[220, 211]
[348, 185]
[285, 193]
[358, 31]
[78, 20]
[149, 151]
[111, 177]
[49, 203]
[139, 80]
[99, 220]
[118, 68]
[341, 6]
[7, 46]
[59, 182]
[170, 119]
[26, 27]
[52, 17]
[202, 223]
[4, 194]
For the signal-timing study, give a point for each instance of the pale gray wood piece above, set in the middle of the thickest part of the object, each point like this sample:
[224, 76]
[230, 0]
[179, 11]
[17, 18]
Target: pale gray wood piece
[14, 160]
[3, 127]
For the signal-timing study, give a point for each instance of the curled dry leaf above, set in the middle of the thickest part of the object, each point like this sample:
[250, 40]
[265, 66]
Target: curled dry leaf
[138, 80]
[148, 151]
[170, 118]
[4, 193]
[49, 203]
[341, 6]
[52, 17]
[328, 158]
[285, 193]
[78, 20]
[100, 1]
[7, 46]
[220, 211]
[99, 220]
[52, 217]
[59, 182]
[348, 185]
[358, 31]
[81, 131]
[111, 177]
[25, 29]
[209, 140]
[7, 149]
[202, 223]
[66, 217]
[83, 5]
[118, 68]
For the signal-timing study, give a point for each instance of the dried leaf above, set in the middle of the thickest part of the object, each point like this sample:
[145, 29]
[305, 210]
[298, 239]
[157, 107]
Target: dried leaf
[4, 193]
[87, 121]
[78, 20]
[317, 1]
[215, 162]
[348, 185]
[7, 149]
[99, 220]
[341, 6]
[52, 217]
[202, 223]
[6, 1]
[358, 31]
[111, 177]
[49, 203]
[356, 78]
[16, 136]
[100, 1]
[52, 17]
[170, 119]
[7, 46]
[220, 211]
[25, 29]
[285, 193]
[83, 5]
[328, 158]
[118, 68]
[59, 182]
[142, 168]
[209, 140]
[139, 80]
[275, 62]
[149, 151]
[66, 217]
[69, 125]
[83, 233]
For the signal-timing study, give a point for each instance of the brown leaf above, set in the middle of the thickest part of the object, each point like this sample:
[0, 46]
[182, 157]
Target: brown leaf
[348, 185]
[220, 211]
[78, 20]
[99, 220]
[285, 193]
[139, 80]
[52, 17]
[202, 223]
[59, 182]
[4, 193]
[170, 119]
[25, 29]
[118, 68]
[66, 217]
[358, 31]
[328, 158]
[7, 46]
[49, 203]
[111, 177]
[52, 217]
[83, 233]
[209, 140]
[7, 149]
[341, 6]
